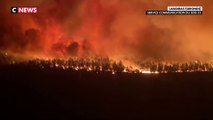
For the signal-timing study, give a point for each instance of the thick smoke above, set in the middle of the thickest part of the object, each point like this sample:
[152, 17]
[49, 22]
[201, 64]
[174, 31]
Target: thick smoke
[115, 28]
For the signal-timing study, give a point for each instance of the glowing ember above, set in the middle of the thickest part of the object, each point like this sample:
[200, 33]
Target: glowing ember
[147, 72]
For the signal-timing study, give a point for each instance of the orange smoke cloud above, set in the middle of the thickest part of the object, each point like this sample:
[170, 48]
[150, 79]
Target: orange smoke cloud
[114, 28]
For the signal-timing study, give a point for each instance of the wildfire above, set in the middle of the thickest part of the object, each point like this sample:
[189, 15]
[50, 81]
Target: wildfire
[100, 64]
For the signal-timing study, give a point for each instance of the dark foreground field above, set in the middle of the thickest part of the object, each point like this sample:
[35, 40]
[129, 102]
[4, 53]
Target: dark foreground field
[58, 94]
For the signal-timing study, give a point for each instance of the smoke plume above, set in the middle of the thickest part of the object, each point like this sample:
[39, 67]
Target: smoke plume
[115, 28]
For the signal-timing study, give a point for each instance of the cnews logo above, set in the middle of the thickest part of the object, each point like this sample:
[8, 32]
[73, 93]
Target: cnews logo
[24, 10]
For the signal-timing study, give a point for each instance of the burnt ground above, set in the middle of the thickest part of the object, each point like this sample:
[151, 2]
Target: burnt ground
[62, 94]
